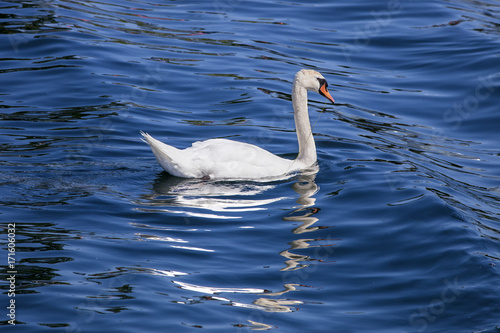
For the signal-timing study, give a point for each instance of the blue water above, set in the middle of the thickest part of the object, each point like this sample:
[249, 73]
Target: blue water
[399, 231]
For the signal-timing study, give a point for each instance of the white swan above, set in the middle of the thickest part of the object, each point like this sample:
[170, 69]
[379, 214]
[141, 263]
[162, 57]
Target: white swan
[227, 159]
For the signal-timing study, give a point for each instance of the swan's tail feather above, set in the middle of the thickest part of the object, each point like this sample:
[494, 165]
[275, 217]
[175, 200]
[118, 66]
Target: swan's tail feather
[167, 156]
[145, 135]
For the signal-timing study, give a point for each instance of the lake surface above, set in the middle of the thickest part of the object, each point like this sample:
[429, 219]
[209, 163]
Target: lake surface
[398, 231]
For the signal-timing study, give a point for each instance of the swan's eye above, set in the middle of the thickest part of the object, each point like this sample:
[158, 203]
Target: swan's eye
[322, 82]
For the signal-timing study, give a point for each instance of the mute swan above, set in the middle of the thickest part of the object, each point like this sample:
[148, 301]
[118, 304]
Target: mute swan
[227, 159]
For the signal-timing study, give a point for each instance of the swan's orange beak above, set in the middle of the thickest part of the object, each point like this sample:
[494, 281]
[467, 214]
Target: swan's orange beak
[323, 91]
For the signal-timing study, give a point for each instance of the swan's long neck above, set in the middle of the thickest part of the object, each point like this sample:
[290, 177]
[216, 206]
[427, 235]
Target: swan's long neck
[307, 148]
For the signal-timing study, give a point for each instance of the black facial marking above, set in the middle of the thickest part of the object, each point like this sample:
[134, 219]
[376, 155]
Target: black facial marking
[322, 82]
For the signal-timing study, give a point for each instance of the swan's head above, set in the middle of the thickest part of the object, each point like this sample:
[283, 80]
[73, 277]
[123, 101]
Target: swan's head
[313, 81]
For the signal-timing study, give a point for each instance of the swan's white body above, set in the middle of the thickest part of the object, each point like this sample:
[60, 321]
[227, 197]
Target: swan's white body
[227, 159]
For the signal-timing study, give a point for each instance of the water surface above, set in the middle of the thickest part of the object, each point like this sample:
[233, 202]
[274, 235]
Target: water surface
[398, 231]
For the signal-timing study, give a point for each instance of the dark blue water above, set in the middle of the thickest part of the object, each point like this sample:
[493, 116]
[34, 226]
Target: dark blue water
[399, 231]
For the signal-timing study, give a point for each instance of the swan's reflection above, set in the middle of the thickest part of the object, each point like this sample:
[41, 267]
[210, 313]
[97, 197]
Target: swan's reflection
[219, 199]
[262, 303]
[306, 188]
[208, 199]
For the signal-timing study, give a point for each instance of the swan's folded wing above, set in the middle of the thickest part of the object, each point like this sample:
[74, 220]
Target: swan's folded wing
[227, 159]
